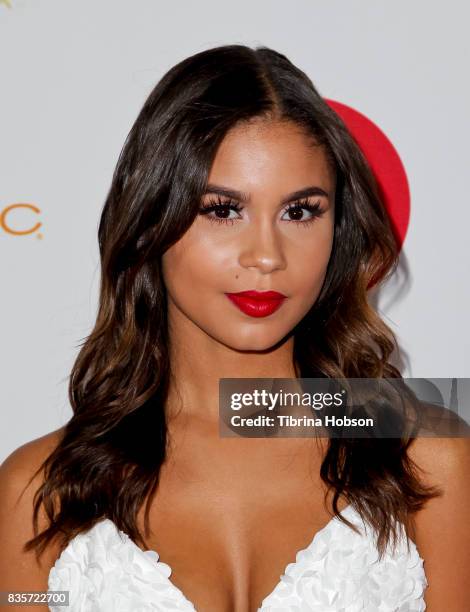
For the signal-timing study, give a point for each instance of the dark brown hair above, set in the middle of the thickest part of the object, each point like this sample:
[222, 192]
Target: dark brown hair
[108, 461]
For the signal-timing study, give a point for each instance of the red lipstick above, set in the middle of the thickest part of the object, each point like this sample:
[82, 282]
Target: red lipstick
[257, 303]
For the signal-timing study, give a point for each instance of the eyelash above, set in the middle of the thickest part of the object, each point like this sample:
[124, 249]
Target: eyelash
[217, 204]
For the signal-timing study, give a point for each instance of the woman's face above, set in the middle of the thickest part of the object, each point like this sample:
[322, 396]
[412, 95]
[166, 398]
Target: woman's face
[263, 238]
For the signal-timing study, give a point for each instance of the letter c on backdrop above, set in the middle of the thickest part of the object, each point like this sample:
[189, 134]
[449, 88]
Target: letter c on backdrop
[4, 223]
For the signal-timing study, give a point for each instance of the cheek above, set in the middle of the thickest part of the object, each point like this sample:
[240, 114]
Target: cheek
[308, 261]
[194, 262]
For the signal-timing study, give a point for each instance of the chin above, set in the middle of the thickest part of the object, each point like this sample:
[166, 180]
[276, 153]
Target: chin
[252, 343]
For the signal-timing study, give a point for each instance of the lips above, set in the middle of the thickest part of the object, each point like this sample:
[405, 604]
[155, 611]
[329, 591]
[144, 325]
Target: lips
[257, 303]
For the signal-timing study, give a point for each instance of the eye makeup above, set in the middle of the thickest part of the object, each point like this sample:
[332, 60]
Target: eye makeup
[217, 205]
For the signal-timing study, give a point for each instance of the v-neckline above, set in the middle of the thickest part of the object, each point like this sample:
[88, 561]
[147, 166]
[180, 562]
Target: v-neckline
[290, 567]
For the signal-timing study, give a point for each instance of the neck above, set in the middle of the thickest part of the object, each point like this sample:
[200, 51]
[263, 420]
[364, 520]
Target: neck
[198, 361]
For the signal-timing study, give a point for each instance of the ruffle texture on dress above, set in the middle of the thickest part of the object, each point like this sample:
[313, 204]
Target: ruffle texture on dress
[340, 572]
[105, 571]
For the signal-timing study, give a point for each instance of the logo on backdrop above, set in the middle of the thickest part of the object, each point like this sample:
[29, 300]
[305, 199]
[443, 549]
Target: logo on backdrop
[10, 224]
[385, 164]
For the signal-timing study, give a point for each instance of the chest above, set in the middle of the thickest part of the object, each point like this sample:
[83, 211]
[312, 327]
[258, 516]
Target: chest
[228, 528]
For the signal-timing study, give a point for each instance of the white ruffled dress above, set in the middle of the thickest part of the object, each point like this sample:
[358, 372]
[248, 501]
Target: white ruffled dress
[339, 571]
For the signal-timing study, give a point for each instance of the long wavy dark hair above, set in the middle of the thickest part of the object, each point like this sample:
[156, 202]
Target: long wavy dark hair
[108, 461]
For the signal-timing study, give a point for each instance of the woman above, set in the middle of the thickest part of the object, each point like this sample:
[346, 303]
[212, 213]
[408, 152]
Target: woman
[235, 177]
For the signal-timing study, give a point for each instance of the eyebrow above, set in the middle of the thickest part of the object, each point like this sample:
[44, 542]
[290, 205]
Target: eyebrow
[244, 197]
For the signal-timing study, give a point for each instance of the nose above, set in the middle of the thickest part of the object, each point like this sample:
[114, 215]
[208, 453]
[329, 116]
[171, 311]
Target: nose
[262, 248]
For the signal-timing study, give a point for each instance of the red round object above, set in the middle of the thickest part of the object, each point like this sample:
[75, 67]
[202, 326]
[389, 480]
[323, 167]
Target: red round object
[385, 163]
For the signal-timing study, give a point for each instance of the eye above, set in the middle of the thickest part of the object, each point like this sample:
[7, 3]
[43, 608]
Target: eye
[297, 210]
[219, 211]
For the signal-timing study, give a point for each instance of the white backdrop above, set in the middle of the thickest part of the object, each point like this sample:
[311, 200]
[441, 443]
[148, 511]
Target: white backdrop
[74, 75]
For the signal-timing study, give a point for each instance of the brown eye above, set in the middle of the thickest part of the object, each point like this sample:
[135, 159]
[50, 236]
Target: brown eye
[296, 212]
[222, 212]
[219, 211]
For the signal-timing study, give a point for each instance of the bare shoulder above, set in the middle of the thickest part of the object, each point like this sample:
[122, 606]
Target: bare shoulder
[27, 455]
[20, 478]
[442, 528]
[437, 459]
